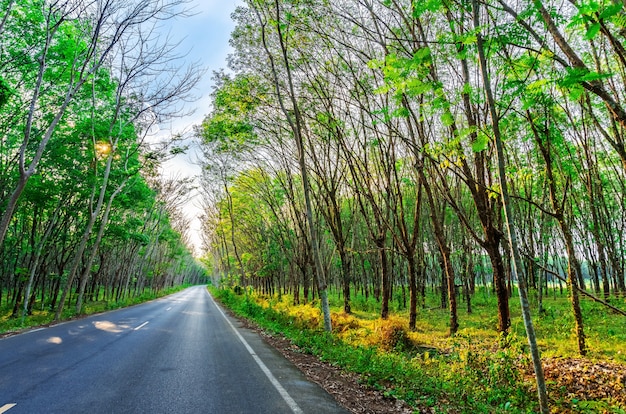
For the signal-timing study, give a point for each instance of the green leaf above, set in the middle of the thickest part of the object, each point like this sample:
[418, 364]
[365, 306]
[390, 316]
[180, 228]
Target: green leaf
[416, 87]
[611, 10]
[576, 92]
[465, 132]
[467, 88]
[528, 102]
[577, 75]
[401, 112]
[447, 118]
[481, 143]
[5, 92]
[375, 64]
[619, 20]
[593, 76]
[470, 39]
[537, 86]
[420, 7]
[592, 31]
[421, 55]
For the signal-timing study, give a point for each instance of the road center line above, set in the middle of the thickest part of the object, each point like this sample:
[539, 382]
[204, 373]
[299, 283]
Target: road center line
[136, 329]
[6, 407]
[283, 392]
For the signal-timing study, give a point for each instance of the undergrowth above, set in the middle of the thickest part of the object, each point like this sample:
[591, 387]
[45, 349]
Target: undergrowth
[463, 378]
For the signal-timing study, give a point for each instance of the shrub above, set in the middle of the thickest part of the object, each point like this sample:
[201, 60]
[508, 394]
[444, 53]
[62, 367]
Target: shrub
[343, 322]
[392, 334]
[306, 317]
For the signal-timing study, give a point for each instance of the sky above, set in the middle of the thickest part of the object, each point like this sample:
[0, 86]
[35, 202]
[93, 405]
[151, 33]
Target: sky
[205, 37]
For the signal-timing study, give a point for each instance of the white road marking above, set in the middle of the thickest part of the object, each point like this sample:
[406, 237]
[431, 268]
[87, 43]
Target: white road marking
[139, 327]
[283, 392]
[170, 308]
[6, 407]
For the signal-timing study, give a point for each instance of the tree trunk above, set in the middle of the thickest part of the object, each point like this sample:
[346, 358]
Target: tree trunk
[385, 277]
[517, 262]
[573, 272]
[444, 250]
[94, 249]
[345, 279]
[499, 284]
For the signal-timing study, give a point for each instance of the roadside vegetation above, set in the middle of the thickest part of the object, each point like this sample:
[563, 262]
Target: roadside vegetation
[413, 167]
[43, 314]
[473, 371]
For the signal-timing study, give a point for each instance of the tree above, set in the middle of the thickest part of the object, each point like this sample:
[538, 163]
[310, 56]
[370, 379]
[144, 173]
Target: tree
[70, 44]
[294, 118]
[517, 262]
[88, 79]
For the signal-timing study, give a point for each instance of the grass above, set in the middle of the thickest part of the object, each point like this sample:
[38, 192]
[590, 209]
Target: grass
[604, 329]
[43, 315]
[475, 371]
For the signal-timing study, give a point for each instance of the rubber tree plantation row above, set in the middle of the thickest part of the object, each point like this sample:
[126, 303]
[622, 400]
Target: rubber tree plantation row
[401, 146]
[83, 214]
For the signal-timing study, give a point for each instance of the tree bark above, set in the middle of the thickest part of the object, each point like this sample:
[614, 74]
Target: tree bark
[448, 270]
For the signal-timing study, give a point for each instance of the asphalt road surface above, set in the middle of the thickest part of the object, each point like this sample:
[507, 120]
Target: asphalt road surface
[178, 354]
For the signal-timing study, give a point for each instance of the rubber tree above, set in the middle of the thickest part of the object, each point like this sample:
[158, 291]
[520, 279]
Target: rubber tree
[144, 87]
[517, 265]
[294, 118]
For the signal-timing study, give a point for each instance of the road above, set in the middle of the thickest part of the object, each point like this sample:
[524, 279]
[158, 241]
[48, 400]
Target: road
[178, 354]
